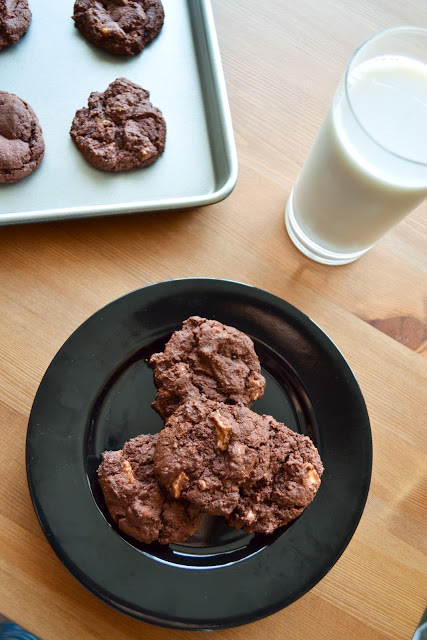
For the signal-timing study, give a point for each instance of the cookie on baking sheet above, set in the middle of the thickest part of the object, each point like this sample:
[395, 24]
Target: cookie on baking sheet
[136, 502]
[21, 139]
[124, 27]
[15, 18]
[284, 493]
[120, 129]
[208, 450]
[210, 358]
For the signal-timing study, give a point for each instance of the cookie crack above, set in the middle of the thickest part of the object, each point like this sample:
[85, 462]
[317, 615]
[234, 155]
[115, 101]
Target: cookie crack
[252, 447]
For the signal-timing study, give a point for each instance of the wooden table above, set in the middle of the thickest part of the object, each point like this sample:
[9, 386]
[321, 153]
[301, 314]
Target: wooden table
[282, 61]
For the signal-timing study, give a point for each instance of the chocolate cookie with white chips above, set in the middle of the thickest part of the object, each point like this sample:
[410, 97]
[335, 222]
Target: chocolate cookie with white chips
[210, 359]
[123, 27]
[208, 450]
[135, 500]
[289, 487]
[119, 129]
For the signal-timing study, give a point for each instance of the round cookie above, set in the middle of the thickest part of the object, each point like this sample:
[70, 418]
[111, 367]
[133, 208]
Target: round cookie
[210, 358]
[208, 450]
[284, 493]
[135, 500]
[15, 18]
[21, 139]
[123, 27]
[120, 129]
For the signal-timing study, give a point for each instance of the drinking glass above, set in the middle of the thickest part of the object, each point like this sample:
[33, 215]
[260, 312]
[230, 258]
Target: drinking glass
[367, 168]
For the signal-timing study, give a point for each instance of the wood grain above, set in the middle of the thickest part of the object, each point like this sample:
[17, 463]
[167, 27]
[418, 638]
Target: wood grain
[282, 63]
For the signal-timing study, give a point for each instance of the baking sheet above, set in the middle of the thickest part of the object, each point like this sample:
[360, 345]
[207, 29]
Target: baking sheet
[54, 69]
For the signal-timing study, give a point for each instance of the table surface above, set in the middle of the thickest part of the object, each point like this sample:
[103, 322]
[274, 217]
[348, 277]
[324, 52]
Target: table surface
[282, 61]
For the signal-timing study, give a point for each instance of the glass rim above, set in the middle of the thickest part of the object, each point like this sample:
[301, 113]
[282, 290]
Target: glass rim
[376, 36]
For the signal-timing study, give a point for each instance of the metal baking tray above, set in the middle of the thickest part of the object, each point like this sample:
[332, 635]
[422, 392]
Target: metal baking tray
[55, 69]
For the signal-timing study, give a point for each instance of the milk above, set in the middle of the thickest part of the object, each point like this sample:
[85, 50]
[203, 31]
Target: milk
[368, 165]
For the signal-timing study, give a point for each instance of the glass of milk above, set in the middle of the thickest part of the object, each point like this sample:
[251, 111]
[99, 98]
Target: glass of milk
[367, 168]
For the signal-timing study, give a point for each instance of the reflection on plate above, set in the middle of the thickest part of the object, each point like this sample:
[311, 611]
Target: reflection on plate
[97, 393]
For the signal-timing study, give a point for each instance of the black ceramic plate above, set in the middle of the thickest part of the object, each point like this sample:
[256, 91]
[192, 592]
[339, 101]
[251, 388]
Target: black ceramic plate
[96, 394]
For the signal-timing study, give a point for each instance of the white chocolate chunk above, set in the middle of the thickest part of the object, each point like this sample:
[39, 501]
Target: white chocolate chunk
[222, 431]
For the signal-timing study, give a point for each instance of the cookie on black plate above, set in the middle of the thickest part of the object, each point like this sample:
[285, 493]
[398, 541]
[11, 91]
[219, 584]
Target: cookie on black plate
[123, 27]
[206, 358]
[208, 450]
[136, 502]
[289, 487]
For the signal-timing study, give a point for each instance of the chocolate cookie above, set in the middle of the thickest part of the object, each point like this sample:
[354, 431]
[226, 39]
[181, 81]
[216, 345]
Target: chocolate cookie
[284, 493]
[209, 358]
[120, 129]
[21, 139]
[15, 18]
[136, 502]
[208, 450]
[124, 27]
